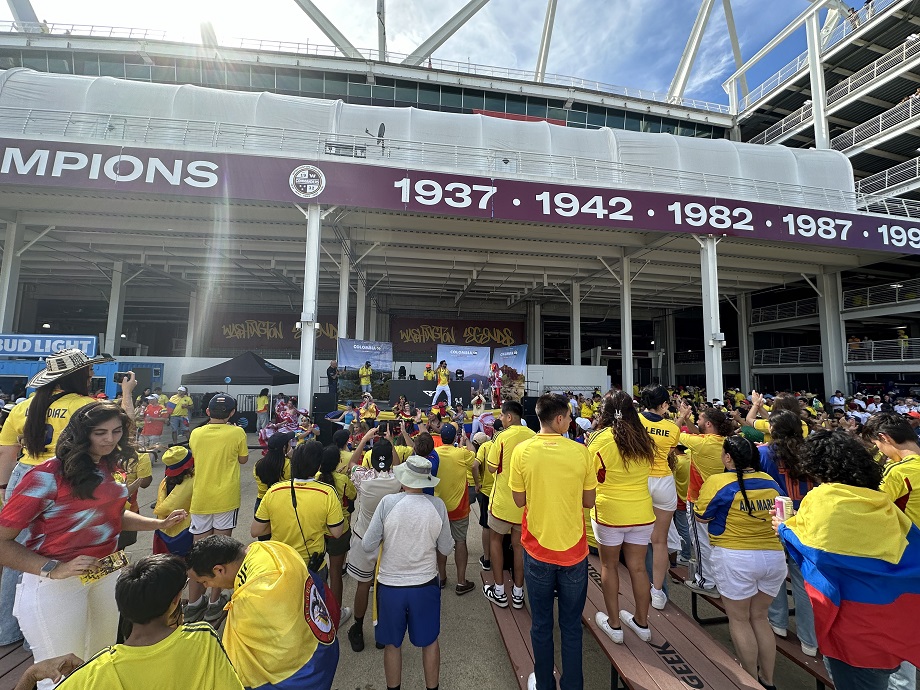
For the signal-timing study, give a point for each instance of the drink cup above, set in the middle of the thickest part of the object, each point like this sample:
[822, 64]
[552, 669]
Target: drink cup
[783, 506]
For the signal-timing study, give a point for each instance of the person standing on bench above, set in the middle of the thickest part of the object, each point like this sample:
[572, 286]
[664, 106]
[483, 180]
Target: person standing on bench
[747, 558]
[623, 454]
[504, 515]
[553, 479]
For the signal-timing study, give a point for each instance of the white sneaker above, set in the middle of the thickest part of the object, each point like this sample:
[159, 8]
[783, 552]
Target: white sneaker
[645, 634]
[345, 616]
[659, 598]
[683, 561]
[603, 622]
[780, 632]
[809, 651]
[532, 681]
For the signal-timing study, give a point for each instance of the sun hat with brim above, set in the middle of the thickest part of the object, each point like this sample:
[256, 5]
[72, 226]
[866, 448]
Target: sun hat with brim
[480, 437]
[584, 424]
[177, 459]
[64, 362]
[415, 473]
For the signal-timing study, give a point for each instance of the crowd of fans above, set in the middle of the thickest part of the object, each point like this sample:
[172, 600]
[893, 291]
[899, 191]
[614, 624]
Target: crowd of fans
[656, 477]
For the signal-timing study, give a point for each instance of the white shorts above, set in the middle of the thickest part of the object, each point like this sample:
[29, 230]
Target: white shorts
[741, 574]
[664, 492]
[205, 523]
[614, 536]
[361, 564]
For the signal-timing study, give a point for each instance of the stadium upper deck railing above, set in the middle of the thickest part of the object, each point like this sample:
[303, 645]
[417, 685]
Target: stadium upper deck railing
[778, 356]
[898, 350]
[321, 50]
[905, 113]
[786, 310]
[149, 131]
[867, 75]
[880, 295]
[729, 354]
[882, 182]
[869, 12]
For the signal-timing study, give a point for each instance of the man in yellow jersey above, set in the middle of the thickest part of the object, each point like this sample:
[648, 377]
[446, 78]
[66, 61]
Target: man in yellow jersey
[553, 480]
[280, 631]
[364, 374]
[160, 652]
[452, 489]
[483, 445]
[219, 449]
[705, 444]
[443, 380]
[893, 435]
[428, 374]
[504, 515]
[179, 406]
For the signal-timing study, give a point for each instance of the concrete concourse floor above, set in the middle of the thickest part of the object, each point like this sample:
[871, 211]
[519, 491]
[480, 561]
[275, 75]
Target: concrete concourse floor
[472, 652]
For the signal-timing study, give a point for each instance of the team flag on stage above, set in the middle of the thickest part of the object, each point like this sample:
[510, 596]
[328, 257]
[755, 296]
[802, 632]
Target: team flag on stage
[860, 557]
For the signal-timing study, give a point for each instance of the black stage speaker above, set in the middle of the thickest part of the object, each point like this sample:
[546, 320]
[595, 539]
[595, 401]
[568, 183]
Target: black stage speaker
[323, 403]
[529, 402]
[326, 430]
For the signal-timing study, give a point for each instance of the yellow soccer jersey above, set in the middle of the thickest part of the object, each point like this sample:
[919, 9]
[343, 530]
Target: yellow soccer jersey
[285, 477]
[682, 476]
[443, 377]
[345, 491]
[623, 498]
[217, 449]
[664, 433]
[898, 482]
[59, 414]
[190, 657]
[180, 498]
[400, 453]
[365, 374]
[554, 472]
[705, 459]
[452, 489]
[428, 375]
[731, 526]
[501, 502]
[486, 478]
[763, 426]
[589, 530]
[318, 507]
[137, 470]
[182, 405]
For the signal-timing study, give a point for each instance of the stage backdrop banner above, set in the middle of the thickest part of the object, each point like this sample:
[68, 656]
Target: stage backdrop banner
[354, 353]
[512, 362]
[473, 360]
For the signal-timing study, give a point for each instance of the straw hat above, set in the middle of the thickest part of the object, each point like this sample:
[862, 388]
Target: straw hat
[415, 473]
[64, 362]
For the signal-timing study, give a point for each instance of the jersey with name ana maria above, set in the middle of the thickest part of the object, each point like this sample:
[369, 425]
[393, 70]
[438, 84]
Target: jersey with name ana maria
[731, 525]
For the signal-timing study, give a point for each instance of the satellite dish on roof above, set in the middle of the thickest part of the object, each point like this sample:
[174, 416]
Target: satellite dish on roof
[380, 131]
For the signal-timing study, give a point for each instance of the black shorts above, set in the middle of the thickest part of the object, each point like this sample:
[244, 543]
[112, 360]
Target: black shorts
[339, 546]
[483, 502]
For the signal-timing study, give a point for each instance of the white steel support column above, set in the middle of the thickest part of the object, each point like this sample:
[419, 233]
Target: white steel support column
[192, 334]
[23, 13]
[688, 57]
[670, 347]
[448, 29]
[332, 32]
[116, 310]
[382, 30]
[833, 342]
[309, 313]
[344, 274]
[545, 39]
[9, 275]
[713, 338]
[736, 46]
[626, 331]
[372, 327]
[360, 311]
[534, 333]
[816, 74]
[576, 324]
[744, 342]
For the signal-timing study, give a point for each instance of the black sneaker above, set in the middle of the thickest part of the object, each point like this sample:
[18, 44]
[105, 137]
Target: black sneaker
[356, 637]
[500, 600]
[485, 563]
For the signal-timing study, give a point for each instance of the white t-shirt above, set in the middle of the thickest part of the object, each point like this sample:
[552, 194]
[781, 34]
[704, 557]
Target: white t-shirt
[371, 486]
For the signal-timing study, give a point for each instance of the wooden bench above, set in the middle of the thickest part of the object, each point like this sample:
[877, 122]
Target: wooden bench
[680, 655]
[14, 660]
[514, 626]
[789, 646]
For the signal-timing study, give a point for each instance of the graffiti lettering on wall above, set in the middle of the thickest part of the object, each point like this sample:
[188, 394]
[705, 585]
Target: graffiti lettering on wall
[273, 331]
[414, 334]
[474, 335]
[439, 335]
[268, 330]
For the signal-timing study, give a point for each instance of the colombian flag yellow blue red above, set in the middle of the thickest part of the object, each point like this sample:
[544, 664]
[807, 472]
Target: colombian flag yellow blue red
[860, 556]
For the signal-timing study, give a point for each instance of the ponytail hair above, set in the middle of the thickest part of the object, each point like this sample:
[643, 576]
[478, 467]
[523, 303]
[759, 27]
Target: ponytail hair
[37, 434]
[745, 456]
[633, 441]
[328, 462]
[721, 421]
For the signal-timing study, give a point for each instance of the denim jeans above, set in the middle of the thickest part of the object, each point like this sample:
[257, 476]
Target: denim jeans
[544, 580]
[682, 525]
[804, 614]
[905, 678]
[848, 677]
[9, 626]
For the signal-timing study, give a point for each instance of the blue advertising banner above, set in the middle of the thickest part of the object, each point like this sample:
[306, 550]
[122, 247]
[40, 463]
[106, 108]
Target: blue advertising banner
[20, 345]
[512, 362]
[473, 360]
[354, 353]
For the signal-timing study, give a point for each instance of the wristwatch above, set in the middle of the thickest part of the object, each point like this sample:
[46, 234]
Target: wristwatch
[45, 572]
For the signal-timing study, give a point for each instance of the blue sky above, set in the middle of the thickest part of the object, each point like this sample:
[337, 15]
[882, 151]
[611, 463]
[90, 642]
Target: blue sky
[634, 43]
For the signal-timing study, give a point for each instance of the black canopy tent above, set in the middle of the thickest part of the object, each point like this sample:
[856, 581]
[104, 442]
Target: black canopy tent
[247, 369]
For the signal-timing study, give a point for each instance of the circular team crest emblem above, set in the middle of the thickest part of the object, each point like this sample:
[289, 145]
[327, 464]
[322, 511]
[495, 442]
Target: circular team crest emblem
[317, 614]
[307, 181]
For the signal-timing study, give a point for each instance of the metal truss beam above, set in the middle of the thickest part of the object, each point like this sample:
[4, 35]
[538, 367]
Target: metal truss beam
[382, 30]
[450, 27]
[543, 54]
[23, 13]
[327, 27]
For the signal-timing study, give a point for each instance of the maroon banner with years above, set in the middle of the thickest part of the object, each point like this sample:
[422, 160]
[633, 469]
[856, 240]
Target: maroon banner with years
[412, 334]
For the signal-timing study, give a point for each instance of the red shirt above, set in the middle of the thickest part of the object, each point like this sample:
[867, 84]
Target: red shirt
[62, 526]
[154, 428]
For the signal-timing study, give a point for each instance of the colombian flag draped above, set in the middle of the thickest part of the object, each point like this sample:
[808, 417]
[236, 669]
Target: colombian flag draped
[860, 557]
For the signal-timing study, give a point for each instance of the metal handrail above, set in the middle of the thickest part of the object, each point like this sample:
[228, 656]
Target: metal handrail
[897, 350]
[877, 295]
[369, 54]
[729, 354]
[867, 14]
[786, 310]
[778, 356]
[864, 77]
[238, 137]
[904, 112]
[895, 176]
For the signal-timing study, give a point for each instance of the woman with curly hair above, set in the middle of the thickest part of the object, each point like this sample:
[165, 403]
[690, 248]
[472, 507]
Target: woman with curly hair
[74, 510]
[623, 517]
[747, 558]
[782, 452]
